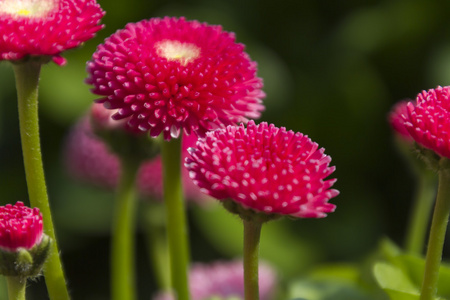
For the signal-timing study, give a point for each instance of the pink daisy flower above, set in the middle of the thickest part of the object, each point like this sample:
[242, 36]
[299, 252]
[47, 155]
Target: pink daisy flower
[46, 27]
[265, 169]
[428, 121]
[88, 159]
[225, 279]
[396, 121]
[171, 74]
[20, 227]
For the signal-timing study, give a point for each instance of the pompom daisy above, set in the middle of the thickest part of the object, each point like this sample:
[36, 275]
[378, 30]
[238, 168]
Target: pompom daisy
[428, 121]
[20, 227]
[265, 169]
[46, 27]
[171, 74]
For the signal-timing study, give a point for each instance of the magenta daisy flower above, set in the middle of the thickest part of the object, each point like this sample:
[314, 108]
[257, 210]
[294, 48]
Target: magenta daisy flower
[20, 227]
[428, 121]
[397, 122]
[265, 169]
[171, 74]
[46, 27]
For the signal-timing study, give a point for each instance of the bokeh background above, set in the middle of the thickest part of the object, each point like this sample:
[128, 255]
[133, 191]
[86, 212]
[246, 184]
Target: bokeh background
[332, 70]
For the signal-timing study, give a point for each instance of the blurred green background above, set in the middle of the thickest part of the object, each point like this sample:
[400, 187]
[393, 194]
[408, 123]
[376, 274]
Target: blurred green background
[332, 70]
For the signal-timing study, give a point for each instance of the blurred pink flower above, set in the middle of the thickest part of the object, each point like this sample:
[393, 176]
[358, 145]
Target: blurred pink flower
[264, 168]
[225, 279]
[396, 120]
[428, 121]
[46, 27]
[171, 74]
[88, 159]
[20, 227]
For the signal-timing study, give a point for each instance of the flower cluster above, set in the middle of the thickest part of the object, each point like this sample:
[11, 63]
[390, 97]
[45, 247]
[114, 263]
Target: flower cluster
[47, 27]
[225, 279]
[428, 121]
[20, 227]
[264, 168]
[171, 74]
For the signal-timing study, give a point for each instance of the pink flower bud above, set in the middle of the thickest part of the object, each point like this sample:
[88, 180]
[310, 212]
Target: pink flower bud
[20, 227]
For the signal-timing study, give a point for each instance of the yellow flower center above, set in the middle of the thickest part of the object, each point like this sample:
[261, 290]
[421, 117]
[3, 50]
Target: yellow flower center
[184, 53]
[27, 8]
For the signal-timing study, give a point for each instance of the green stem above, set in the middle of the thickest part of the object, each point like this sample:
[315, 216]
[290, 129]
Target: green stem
[421, 213]
[156, 236]
[123, 233]
[27, 82]
[252, 233]
[16, 287]
[437, 237]
[177, 230]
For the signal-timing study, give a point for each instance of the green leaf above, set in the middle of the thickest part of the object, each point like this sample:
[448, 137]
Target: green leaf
[326, 290]
[415, 267]
[395, 282]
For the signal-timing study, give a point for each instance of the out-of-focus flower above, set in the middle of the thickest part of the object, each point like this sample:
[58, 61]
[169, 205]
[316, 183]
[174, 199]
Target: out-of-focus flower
[46, 27]
[225, 280]
[171, 74]
[20, 227]
[395, 119]
[88, 159]
[265, 169]
[428, 121]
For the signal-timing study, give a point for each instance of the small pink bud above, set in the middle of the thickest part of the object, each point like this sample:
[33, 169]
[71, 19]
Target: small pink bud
[20, 227]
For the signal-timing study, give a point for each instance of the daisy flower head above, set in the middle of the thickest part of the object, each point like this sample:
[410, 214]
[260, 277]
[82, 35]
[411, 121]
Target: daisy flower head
[46, 28]
[170, 74]
[428, 121]
[265, 169]
[20, 227]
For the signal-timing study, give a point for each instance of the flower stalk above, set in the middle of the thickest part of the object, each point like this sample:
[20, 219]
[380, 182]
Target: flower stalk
[421, 212]
[437, 233]
[123, 243]
[27, 84]
[16, 287]
[156, 238]
[177, 231]
[252, 234]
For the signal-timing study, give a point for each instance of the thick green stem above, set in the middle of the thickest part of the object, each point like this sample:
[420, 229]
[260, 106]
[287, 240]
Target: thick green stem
[27, 81]
[177, 230]
[252, 233]
[437, 237]
[123, 234]
[156, 238]
[421, 213]
[16, 287]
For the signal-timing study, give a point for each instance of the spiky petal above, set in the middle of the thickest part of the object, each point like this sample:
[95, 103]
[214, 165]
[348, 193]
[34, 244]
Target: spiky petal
[396, 120]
